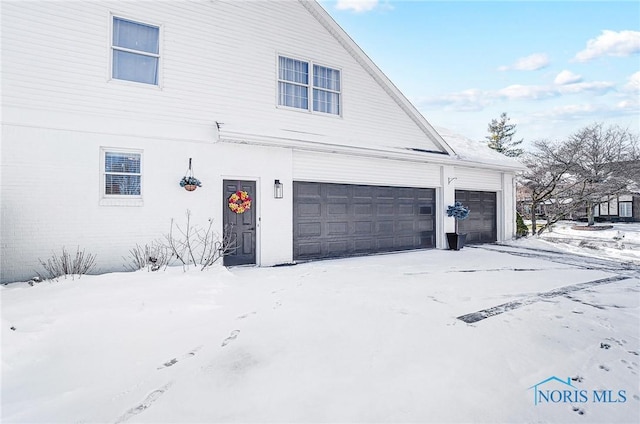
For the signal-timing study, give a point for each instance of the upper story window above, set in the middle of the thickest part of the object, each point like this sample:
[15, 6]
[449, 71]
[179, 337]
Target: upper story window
[302, 85]
[122, 176]
[136, 51]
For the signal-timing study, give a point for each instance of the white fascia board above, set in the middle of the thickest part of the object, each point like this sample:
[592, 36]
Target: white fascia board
[377, 152]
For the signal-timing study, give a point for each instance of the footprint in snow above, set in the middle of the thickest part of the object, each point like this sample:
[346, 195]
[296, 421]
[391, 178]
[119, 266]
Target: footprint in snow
[578, 410]
[604, 367]
[232, 336]
[174, 361]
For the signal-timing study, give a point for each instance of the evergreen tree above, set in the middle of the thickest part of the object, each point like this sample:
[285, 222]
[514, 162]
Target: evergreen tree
[501, 137]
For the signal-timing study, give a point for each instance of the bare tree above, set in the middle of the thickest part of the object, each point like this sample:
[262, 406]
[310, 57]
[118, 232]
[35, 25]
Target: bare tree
[548, 180]
[605, 164]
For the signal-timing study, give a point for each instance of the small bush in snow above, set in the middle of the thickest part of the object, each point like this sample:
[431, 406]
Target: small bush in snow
[521, 229]
[67, 264]
[192, 244]
[185, 244]
[151, 257]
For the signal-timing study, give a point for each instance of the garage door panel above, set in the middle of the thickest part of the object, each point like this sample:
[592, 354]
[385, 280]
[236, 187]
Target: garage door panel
[337, 229]
[363, 227]
[341, 247]
[425, 226]
[481, 226]
[384, 227]
[337, 208]
[337, 191]
[310, 229]
[332, 220]
[363, 210]
[307, 191]
[309, 210]
[384, 193]
[363, 192]
[425, 210]
[310, 249]
[363, 245]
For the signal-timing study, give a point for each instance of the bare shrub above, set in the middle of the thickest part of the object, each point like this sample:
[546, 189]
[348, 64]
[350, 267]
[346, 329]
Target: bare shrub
[186, 244]
[67, 264]
[193, 245]
[216, 247]
[153, 257]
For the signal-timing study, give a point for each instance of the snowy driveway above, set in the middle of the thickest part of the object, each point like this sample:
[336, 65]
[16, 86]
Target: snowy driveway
[373, 339]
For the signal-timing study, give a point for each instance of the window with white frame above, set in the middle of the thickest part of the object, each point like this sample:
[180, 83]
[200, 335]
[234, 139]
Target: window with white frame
[298, 81]
[135, 51]
[625, 209]
[122, 173]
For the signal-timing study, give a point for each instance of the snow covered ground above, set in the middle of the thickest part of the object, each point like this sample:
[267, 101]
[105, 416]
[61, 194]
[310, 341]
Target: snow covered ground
[523, 332]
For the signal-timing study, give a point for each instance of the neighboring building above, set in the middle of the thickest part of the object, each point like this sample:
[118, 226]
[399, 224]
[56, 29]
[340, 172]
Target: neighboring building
[105, 102]
[621, 208]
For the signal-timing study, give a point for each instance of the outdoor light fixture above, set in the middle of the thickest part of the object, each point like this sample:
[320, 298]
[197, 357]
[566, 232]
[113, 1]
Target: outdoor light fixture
[278, 191]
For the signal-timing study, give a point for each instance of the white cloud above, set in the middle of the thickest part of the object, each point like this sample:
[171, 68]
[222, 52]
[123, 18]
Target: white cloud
[611, 43]
[463, 101]
[597, 87]
[357, 5]
[527, 92]
[567, 77]
[631, 105]
[532, 62]
[569, 112]
[475, 99]
[634, 83]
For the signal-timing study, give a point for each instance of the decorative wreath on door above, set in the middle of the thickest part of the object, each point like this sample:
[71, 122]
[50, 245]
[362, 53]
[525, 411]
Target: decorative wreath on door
[240, 201]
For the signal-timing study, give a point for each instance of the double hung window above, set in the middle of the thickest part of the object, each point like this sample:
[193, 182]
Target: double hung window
[304, 85]
[122, 175]
[135, 51]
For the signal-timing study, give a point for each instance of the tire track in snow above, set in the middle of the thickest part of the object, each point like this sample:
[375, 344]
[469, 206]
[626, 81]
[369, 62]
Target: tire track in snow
[509, 306]
[584, 262]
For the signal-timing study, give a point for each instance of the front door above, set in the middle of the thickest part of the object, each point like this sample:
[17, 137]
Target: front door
[240, 221]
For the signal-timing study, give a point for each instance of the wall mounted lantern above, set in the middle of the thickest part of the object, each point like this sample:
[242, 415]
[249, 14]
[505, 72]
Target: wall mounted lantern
[278, 191]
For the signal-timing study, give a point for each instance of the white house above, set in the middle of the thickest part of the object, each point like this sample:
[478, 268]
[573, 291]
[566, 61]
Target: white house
[104, 103]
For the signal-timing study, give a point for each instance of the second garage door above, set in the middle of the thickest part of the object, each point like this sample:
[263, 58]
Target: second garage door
[481, 226]
[336, 220]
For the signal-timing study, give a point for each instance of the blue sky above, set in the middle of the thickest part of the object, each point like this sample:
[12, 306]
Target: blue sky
[553, 66]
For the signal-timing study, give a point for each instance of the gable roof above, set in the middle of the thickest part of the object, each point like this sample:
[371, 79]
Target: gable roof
[372, 69]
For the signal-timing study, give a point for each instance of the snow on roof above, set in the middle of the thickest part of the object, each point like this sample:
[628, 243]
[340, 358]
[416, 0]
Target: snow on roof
[476, 151]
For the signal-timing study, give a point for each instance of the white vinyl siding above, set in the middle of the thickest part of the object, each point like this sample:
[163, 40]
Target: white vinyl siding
[477, 179]
[135, 48]
[345, 169]
[297, 80]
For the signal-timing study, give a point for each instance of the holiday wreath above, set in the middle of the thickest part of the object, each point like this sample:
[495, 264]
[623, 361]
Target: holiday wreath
[240, 201]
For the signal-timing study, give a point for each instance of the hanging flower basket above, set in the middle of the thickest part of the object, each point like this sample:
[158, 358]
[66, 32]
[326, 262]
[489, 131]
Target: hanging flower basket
[189, 182]
[239, 202]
